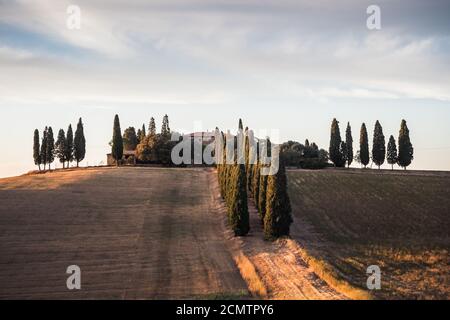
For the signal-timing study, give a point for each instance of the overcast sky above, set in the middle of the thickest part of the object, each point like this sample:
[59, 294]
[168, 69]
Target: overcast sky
[287, 65]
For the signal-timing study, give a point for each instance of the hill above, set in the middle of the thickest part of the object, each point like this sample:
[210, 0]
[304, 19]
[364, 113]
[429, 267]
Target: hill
[122, 227]
[347, 220]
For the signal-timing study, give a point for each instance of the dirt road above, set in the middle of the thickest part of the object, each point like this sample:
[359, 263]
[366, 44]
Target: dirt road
[279, 265]
[136, 233]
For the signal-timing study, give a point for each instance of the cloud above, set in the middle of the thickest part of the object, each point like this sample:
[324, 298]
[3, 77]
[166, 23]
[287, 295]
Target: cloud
[203, 52]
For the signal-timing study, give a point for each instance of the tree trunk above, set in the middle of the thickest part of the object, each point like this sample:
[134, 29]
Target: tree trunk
[78, 164]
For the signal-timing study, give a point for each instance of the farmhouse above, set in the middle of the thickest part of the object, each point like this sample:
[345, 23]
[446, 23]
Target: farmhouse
[129, 157]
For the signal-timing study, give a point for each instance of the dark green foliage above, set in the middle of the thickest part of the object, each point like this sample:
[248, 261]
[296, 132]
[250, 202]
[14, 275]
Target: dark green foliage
[69, 146]
[262, 196]
[50, 156]
[60, 147]
[363, 146]
[349, 144]
[241, 126]
[379, 145]
[336, 156]
[277, 218]
[130, 139]
[79, 148]
[155, 149]
[152, 127]
[36, 149]
[343, 151]
[143, 131]
[255, 183]
[117, 141]
[391, 152]
[139, 136]
[307, 156]
[165, 129]
[405, 148]
[43, 154]
[238, 209]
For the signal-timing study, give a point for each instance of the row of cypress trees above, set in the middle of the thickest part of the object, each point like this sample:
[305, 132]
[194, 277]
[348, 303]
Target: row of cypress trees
[66, 148]
[269, 192]
[341, 152]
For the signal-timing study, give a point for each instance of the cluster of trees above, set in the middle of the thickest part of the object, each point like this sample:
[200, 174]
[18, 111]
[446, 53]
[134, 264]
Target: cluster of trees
[66, 148]
[150, 146]
[238, 181]
[341, 152]
[305, 156]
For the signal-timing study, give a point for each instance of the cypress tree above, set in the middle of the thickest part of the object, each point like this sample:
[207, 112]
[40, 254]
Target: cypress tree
[143, 132]
[335, 145]
[36, 149]
[343, 150]
[117, 142]
[152, 127]
[43, 155]
[262, 196]
[239, 217]
[277, 219]
[349, 144]
[60, 147]
[379, 145]
[363, 146]
[241, 126]
[69, 146]
[50, 147]
[139, 136]
[391, 152]
[79, 149]
[255, 182]
[165, 129]
[405, 148]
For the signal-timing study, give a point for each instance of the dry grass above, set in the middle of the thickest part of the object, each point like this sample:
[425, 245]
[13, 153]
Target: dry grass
[348, 221]
[251, 277]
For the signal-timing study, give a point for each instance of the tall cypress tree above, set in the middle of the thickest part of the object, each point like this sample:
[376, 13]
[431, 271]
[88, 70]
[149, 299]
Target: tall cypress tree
[379, 145]
[262, 196]
[277, 219]
[335, 145]
[60, 147]
[79, 150]
[69, 146]
[255, 184]
[43, 155]
[405, 148]
[364, 146]
[165, 129]
[152, 127]
[391, 152]
[117, 142]
[349, 144]
[50, 147]
[241, 125]
[36, 149]
[239, 217]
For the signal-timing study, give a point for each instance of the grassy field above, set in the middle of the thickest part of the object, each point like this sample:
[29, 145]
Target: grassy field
[136, 233]
[351, 219]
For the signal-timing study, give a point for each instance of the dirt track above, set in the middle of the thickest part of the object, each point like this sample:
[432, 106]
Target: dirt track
[279, 265]
[122, 227]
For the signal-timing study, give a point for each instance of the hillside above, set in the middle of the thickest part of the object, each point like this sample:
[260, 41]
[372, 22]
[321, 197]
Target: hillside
[136, 233]
[347, 220]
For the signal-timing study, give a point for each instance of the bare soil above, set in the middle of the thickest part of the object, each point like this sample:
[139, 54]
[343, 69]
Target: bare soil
[136, 233]
[351, 219]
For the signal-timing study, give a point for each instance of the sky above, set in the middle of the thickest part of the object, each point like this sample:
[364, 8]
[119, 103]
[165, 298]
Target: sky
[291, 66]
